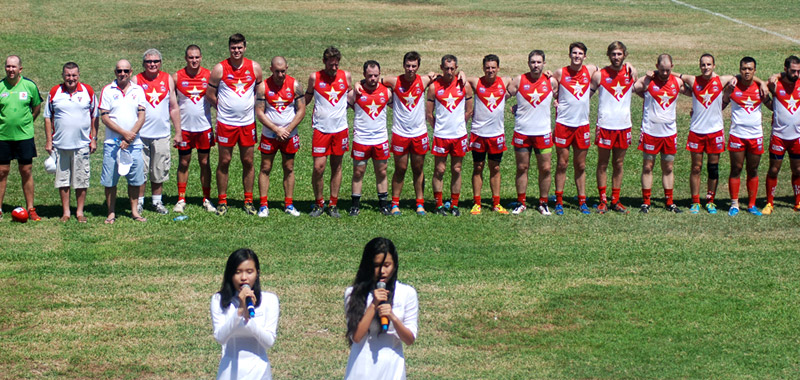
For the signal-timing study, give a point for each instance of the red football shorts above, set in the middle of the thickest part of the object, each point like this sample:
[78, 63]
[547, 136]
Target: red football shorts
[272, 146]
[417, 145]
[753, 146]
[457, 147]
[612, 138]
[580, 137]
[709, 143]
[230, 135]
[375, 152]
[326, 144]
[779, 146]
[494, 145]
[196, 140]
[654, 145]
[536, 142]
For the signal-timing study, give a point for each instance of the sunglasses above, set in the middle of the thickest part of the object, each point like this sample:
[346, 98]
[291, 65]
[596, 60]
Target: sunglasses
[121, 71]
[152, 61]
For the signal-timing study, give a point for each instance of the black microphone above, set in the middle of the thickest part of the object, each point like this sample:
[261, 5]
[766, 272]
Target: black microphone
[384, 320]
[249, 300]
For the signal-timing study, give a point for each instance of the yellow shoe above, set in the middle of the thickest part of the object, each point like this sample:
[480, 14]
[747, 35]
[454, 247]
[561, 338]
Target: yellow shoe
[476, 210]
[767, 210]
[500, 210]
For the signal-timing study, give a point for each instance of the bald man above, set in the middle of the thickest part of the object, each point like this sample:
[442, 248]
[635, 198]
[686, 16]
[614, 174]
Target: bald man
[280, 107]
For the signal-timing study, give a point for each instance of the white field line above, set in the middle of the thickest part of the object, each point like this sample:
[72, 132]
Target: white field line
[785, 37]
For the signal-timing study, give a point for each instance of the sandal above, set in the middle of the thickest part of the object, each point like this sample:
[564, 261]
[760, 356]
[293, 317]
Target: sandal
[65, 218]
[82, 219]
[139, 218]
[110, 220]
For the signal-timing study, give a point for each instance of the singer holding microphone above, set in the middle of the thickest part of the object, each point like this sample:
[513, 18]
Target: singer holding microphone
[244, 318]
[381, 315]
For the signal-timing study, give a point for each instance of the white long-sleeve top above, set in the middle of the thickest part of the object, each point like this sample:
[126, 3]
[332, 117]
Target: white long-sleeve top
[245, 343]
[380, 356]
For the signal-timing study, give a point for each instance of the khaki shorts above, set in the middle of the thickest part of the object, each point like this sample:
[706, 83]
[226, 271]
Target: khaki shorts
[72, 168]
[156, 156]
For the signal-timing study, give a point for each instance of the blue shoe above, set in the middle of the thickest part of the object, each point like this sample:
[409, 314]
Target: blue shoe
[711, 208]
[754, 210]
[559, 210]
[695, 209]
[420, 210]
[733, 211]
[585, 209]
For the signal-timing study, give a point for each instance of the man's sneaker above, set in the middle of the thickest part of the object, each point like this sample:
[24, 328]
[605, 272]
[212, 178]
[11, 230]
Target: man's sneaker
[441, 211]
[733, 211]
[395, 210]
[767, 210]
[180, 206]
[476, 209]
[333, 212]
[543, 209]
[644, 208]
[519, 209]
[421, 210]
[754, 210]
[250, 209]
[222, 209]
[500, 210]
[711, 208]
[585, 209]
[159, 208]
[354, 211]
[315, 211]
[674, 209]
[263, 212]
[618, 207]
[559, 210]
[455, 211]
[291, 210]
[208, 206]
[385, 210]
[602, 208]
[32, 215]
[695, 209]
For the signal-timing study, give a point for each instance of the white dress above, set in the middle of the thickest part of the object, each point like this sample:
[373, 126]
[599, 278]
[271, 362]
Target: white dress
[379, 357]
[245, 344]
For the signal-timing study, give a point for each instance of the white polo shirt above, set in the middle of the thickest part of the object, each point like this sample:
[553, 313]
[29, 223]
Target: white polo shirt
[71, 115]
[122, 108]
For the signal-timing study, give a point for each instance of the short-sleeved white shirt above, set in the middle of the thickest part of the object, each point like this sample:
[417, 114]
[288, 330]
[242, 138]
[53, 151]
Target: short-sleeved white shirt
[71, 115]
[122, 108]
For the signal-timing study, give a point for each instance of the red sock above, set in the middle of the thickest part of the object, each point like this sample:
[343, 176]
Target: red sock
[796, 188]
[559, 197]
[477, 200]
[752, 190]
[495, 200]
[646, 196]
[602, 191]
[542, 200]
[320, 202]
[581, 199]
[395, 201]
[182, 191]
[206, 192]
[334, 201]
[521, 198]
[264, 201]
[421, 201]
[222, 199]
[248, 197]
[615, 195]
[668, 195]
[772, 183]
[710, 196]
[454, 199]
[733, 186]
[437, 195]
[287, 201]
[695, 197]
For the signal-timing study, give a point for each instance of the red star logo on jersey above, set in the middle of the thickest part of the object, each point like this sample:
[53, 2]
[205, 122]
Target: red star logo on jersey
[154, 97]
[618, 85]
[707, 91]
[368, 103]
[195, 94]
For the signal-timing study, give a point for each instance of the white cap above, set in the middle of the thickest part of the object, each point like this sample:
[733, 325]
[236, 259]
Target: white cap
[50, 164]
[124, 161]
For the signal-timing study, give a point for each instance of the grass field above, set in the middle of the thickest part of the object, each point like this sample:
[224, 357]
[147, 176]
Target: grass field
[599, 296]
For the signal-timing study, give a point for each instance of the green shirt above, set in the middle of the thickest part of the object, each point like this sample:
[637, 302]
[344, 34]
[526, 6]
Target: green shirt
[16, 119]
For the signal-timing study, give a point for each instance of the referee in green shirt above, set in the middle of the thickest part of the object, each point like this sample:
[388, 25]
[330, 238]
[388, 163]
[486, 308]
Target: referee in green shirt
[20, 103]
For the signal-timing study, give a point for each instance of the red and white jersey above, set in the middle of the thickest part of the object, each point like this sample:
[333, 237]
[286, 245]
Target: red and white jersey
[156, 116]
[490, 105]
[71, 115]
[533, 106]
[746, 112]
[123, 108]
[369, 123]
[408, 116]
[449, 110]
[660, 102]
[614, 99]
[706, 105]
[573, 97]
[280, 104]
[330, 102]
[786, 116]
[236, 94]
[195, 111]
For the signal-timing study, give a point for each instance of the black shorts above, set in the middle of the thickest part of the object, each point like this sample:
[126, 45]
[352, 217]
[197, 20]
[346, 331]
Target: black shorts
[23, 151]
[481, 156]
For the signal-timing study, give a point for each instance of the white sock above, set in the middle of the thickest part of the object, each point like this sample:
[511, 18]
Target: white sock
[141, 201]
[156, 199]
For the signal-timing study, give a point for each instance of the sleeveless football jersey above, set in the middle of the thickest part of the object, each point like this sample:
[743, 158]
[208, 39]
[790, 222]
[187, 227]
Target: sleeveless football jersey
[236, 94]
[369, 123]
[614, 99]
[330, 102]
[195, 111]
[573, 97]
[706, 105]
[449, 110]
[534, 99]
[785, 117]
[408, 116]
[156, 118]
[490, 105]
[280, 104]
[660, 102]
[746, 112]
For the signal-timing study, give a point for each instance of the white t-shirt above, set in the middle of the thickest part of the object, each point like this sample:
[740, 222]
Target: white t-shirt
[72, 116]
[123, 108]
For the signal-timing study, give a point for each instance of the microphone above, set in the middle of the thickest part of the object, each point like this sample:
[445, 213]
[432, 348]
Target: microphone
[384, 320]
[249, 300]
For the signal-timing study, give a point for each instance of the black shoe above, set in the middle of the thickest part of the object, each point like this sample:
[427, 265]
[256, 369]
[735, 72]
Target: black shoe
[385, 210]
[354, 211]
[455, 211]
[333, 211]
[315, 211]
[644, 208]
[441, 211]
[673, 208]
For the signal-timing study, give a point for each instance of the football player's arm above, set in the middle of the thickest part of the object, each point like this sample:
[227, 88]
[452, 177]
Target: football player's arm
[48, 134]
[640, 85]
[726, 95]
[470, 105]
[175, 112]
[213, 83]
[261, 109]
[299, 107]
[429, 103]
[687, 83]
[595, 83]
[390, 82]
[507, 83]
[258, 72]
[555, 90]
[514, 86]
[309, 94]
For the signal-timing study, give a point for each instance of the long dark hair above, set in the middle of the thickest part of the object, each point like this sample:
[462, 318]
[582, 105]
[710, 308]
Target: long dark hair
[234, 260]
[365, 282]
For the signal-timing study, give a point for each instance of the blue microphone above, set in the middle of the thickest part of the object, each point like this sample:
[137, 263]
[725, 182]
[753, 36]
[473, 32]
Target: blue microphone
[249, 300]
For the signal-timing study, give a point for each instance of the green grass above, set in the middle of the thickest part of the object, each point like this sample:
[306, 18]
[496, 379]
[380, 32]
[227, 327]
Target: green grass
[613, 296]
